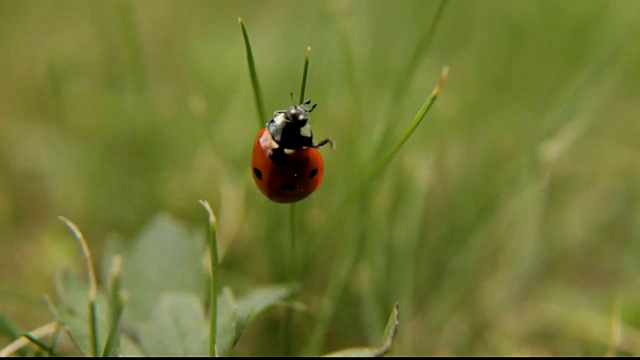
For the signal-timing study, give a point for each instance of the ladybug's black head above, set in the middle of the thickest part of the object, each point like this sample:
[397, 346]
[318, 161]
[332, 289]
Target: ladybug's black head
[299, 114]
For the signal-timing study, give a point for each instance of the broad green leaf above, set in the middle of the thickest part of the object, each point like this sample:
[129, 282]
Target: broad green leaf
[164, 258]
[259, 300]
[177, 328]
[387, 340]
[227, 322]
[73, 310]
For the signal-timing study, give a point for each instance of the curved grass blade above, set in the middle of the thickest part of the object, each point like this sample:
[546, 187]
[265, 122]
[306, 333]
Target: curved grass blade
[93, 284]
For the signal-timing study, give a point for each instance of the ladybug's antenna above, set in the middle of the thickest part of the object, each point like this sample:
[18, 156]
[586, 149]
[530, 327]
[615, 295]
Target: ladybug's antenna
[293, 101]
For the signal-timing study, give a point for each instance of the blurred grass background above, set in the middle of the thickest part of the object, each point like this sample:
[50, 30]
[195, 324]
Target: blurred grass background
[509, 223]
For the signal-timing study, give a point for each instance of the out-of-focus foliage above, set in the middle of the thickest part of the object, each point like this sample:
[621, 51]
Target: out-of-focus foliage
[508, 224]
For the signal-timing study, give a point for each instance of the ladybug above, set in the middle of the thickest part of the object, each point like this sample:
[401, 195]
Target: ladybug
[287, 166]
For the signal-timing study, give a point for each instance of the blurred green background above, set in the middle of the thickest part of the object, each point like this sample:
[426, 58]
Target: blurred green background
[508, 224]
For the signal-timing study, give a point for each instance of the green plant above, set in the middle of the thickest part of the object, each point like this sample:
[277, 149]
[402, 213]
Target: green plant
[153, 295]
[153, 304]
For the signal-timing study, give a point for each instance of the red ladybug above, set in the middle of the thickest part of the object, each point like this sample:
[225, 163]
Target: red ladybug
[287, 166]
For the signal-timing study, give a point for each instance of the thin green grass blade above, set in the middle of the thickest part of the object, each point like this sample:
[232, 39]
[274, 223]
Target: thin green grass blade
[93, 284]
[117, 299]
[402, 85]
[257, 93]
[386, 158]
[347, 260]
[215, 261]
[307, 56]
[46, 348]
[293, 263]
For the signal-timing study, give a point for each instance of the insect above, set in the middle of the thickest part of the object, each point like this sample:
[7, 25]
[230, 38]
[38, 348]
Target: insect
[287, 166]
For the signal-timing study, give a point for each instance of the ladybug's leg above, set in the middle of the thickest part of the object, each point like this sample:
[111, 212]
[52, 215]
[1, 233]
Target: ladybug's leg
[323, 143]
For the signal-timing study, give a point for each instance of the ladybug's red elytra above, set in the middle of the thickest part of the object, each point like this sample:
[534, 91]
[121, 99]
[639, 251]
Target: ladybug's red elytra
[287, 166]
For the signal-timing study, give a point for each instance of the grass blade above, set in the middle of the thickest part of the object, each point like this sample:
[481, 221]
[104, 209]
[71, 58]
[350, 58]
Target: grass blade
[117, 298]
[348, 258]
[386, 158]
[93, 284]
[254, 76]
[213, 256]
[304, 74]
[402, 85]
[40, 332]
[48, 349]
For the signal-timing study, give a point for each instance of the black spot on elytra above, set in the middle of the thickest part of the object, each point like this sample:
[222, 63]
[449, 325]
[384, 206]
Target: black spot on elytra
[287, 186]
[313, 173]
[257, 173]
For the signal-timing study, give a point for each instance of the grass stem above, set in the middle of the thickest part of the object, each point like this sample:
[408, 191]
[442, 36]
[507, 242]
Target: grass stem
[257, 93]
[213, 257]
[93, 285]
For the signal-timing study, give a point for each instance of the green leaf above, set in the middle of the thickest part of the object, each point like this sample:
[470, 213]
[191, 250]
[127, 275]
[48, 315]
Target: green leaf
[177, 328]
[73, 310]
[387, 340]
[227, 322]
[164, 258]
[259, 300]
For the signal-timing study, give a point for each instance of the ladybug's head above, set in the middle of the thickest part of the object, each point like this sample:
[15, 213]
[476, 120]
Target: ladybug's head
[299, 114]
